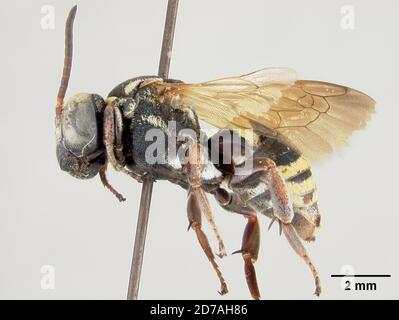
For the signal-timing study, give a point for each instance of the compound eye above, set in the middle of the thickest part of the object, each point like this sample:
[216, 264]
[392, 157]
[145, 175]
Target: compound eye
[81, 124]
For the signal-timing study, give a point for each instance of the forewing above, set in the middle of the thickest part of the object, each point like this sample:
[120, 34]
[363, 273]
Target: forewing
[312, 116]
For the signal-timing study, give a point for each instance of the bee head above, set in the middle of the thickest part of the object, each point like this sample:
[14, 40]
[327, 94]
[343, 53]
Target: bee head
[80, 150]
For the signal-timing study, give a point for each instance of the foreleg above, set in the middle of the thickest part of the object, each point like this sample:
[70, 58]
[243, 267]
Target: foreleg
[113, 139]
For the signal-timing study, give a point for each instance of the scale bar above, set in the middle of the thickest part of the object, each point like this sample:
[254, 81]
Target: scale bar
[361, 275]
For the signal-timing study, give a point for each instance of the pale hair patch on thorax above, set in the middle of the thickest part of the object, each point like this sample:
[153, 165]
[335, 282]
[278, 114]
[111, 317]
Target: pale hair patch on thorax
[156, 121]
[132, 85]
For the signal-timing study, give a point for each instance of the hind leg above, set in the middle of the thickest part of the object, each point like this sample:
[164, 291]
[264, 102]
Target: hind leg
[266, 171]
[281, 199]
[296, 244]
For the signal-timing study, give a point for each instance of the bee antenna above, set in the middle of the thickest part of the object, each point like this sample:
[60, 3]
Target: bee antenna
[67, 60]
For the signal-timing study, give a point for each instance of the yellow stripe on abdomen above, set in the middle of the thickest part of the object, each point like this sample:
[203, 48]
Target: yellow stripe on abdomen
[299, 181]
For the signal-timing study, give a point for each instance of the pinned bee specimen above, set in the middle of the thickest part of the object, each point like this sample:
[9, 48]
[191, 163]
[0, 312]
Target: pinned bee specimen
[284, 122]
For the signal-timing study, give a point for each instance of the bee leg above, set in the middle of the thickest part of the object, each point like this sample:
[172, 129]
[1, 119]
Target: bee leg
[283, 210]
[113, 139]
[196, 206]
[194, 170]
[249, 251]
[106, 184]
[251, 238]
[209, 216]
[296, 244]
[282, 205]
[194, 216]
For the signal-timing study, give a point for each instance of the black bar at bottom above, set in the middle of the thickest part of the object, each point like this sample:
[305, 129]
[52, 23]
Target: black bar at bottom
[198, 309]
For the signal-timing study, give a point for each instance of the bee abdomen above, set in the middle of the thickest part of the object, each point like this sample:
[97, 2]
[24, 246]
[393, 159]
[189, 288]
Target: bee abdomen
[256, 196]
[297, 174]
[301, 187]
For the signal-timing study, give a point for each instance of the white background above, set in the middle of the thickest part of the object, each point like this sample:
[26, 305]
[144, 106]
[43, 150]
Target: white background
[50, 218]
